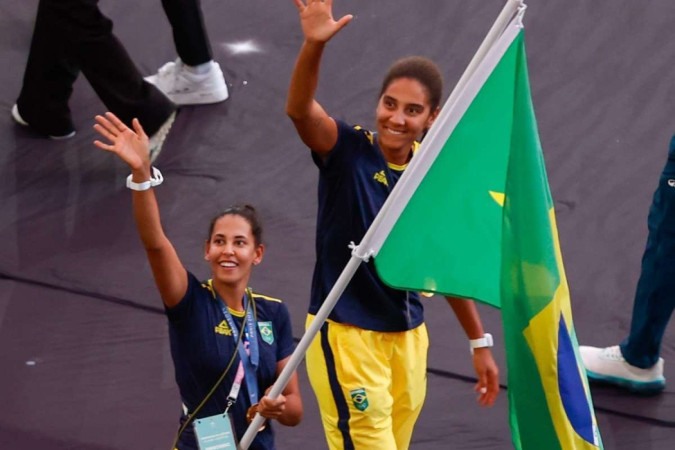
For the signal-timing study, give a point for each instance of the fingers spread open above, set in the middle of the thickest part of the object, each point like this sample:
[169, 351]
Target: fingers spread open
[103, 131]
[116, 122]
[138, 128]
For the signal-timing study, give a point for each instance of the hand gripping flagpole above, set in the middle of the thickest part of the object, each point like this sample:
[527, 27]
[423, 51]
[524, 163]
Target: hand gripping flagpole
[377, 232]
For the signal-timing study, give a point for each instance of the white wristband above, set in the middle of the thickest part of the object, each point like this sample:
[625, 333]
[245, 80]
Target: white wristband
[155, 180]
[485, 341]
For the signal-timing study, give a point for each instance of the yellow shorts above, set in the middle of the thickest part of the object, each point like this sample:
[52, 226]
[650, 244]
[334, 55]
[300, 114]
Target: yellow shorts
[370, 385]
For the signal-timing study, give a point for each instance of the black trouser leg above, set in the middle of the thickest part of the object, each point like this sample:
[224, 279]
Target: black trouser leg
[189, 31]
[49, 76]
[81, 37]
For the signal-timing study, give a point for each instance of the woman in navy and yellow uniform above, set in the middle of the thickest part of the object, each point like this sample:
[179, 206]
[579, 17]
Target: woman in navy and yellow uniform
[368, 365]
[217, 323]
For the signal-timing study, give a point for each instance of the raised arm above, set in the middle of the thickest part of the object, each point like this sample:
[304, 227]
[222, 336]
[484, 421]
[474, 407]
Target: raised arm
[316, 128]
[131, 146]
[483, 362]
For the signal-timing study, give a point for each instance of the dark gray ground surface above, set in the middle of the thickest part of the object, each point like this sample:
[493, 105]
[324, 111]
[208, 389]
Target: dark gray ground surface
[83, 344]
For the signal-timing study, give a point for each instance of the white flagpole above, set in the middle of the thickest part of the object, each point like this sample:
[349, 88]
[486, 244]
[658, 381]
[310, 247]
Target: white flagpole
[358, 256]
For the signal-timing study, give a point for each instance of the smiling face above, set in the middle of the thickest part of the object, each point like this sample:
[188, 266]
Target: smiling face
[403, 113]
[232, 251]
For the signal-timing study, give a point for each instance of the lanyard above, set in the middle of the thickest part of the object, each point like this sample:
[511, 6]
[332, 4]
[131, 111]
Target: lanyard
[249, 355]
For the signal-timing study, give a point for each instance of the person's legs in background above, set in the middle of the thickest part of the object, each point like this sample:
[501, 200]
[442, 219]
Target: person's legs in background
[72, 36]
[194, 78]
[635, 364]
[48, 78]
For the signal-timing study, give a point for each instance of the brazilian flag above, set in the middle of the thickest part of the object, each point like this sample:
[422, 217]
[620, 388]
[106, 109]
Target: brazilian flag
[474, 218]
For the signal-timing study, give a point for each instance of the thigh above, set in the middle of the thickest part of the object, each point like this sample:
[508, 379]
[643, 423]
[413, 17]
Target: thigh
[409, 382]
[350, 372]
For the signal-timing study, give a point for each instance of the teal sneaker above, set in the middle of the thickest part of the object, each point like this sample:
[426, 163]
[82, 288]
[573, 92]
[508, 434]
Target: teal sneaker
[607, 365]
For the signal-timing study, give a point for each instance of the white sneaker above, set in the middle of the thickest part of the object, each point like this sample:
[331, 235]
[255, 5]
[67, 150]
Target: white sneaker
[156, 141]
[186, 88]
[608, 365]
[18, 119]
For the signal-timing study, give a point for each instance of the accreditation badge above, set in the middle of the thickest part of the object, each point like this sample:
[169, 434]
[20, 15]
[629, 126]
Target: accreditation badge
[215, 433]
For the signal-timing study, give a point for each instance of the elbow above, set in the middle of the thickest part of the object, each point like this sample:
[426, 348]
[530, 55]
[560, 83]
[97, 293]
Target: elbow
[294, 411]
[294, 114]
[294, 423]
[299, 110]
[297, 418]
[292, 420]
[152, 248]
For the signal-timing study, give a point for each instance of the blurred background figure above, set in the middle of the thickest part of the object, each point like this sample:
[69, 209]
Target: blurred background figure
[194, 78]
[635, 364]
[73, 36]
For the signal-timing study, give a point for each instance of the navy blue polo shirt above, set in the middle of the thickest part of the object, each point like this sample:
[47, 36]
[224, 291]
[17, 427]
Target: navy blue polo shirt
[354, 182]
[202, 345]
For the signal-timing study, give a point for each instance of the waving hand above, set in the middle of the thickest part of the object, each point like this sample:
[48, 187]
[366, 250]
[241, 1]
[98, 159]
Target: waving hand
[316, 17]
[130, 145]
